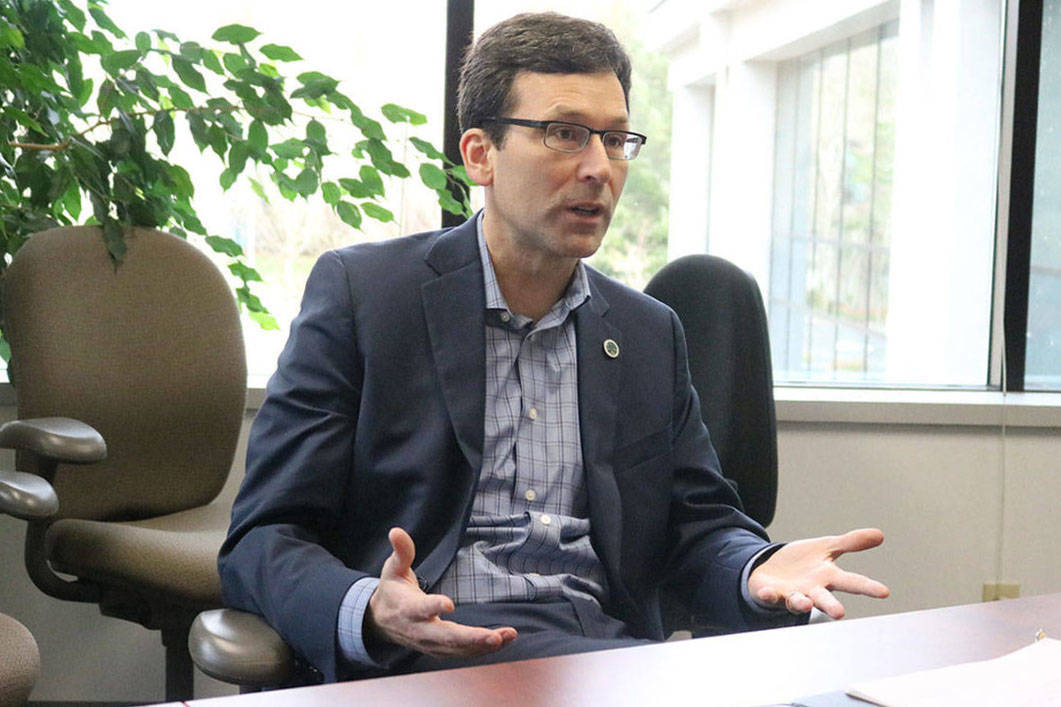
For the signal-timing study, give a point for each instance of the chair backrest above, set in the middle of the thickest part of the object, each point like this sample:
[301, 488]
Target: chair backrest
[721, 309]
[149, 352]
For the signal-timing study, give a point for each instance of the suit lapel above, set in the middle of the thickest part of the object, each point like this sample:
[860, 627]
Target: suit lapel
[598, 386]
[453, 306]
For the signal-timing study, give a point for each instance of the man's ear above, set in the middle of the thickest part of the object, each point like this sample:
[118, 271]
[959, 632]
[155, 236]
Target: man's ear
[477, 151]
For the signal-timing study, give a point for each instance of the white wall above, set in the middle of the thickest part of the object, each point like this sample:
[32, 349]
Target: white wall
[935, 490]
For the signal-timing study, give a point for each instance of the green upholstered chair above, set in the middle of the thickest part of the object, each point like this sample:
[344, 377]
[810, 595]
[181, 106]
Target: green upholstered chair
[149, 354]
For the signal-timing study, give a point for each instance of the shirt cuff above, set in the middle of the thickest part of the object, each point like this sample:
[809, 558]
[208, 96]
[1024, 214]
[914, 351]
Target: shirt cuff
[756, 560]
[351, 621]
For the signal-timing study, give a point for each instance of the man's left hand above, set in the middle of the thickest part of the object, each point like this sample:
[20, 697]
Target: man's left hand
[801, 574]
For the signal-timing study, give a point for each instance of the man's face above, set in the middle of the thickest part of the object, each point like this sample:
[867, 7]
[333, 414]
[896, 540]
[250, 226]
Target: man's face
[545, 204]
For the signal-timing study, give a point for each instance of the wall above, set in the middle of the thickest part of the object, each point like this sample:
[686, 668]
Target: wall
[938, 492]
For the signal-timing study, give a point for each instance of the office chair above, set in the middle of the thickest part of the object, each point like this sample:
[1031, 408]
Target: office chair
[23, 496]
[20, 662]
[147, 355]
[726, 332]
[721, 310]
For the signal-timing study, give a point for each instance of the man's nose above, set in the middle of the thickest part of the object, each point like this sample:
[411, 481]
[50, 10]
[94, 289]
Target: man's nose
[594, 164]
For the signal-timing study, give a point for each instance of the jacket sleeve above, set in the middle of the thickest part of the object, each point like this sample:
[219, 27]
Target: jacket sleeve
[275, 561]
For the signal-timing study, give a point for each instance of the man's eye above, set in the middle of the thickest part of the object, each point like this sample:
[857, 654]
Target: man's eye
[614, 140]
[564, 133]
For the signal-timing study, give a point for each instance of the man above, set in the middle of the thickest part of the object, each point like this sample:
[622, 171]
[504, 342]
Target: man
[472, 423]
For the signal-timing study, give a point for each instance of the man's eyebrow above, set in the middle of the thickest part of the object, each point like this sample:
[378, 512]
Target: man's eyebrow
[576, 116]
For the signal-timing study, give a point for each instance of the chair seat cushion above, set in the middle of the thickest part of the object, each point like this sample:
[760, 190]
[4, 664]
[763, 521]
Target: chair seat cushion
[19, 661]
[173, 555]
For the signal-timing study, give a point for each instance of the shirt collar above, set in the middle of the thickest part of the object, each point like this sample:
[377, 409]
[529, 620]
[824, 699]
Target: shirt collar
[575, 295]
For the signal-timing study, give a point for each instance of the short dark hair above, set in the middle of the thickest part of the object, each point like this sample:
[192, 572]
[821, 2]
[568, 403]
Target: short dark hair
[546, 43]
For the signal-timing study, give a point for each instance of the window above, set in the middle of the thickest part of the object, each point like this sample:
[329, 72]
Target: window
[834, 163]
[1043, 357]
[850, 165]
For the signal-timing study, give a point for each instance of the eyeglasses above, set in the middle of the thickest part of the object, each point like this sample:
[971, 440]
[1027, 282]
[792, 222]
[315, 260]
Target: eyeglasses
[572, 137]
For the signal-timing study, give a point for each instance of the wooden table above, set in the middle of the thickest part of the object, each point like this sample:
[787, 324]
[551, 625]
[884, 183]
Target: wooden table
[739, 669]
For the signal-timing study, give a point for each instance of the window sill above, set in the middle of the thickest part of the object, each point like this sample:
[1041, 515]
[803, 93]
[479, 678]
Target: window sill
[977, 408]
[863, 406]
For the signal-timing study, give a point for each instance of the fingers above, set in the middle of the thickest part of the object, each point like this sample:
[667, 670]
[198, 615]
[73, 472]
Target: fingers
[854, 583]
[857, 540]
[404, 551]
[446, 638]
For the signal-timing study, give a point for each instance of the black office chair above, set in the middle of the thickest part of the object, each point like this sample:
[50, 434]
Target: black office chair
[722, 312]
[726, 332]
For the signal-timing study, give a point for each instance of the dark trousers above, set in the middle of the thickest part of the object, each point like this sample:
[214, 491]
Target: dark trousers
[545, 629]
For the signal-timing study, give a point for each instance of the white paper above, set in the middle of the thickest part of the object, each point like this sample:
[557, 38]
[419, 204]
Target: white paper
[1028, 677]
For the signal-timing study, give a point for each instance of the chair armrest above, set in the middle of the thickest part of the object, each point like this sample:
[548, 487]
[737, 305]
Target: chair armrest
[57, 438]
[26, 496]
[239, 648]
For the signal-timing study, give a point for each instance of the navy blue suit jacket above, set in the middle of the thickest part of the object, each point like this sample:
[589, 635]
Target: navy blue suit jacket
[374, 419]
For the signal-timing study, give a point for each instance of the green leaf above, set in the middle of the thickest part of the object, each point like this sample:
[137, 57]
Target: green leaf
[143, 41]
[331, 193]
[349, 213]
[114, 237]
[235, 34]
[289, 149]
[315, 131]
[377, 212]
[427, 148]
[278, 52]
[432, 176]
[85, 92]
[448, 203]
[10, 36]
[103, 21]
[397, 114]
[234, 63]
[180, 98]
[192, 51]
[164, 131]
[211, 62]
[237, 156]
[371, 179]
[258, 137]
[74, 14]
[163, 34]
[355, 188]
[259, 190]
[306, 182]
[227, 246]
[314, 85]
[265, 321]
[119, 61]
[227, 179]
[243, 272]
[189, 74]
[72, 199]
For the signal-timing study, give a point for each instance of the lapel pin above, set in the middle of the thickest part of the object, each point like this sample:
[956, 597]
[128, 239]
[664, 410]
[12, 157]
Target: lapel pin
[611, 349]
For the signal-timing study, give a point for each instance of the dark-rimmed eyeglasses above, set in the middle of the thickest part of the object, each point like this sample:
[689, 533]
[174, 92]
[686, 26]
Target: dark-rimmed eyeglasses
[573, 137]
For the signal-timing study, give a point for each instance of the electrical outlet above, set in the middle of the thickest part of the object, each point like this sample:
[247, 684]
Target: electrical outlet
[993, 591]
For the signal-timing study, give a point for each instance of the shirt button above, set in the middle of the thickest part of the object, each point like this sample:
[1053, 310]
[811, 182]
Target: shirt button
[546, 520]
[505, 317]
[533, 413]
[530, 494]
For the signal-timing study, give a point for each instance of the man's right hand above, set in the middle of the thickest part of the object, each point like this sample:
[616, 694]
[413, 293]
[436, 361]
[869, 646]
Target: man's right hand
[400, 612]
